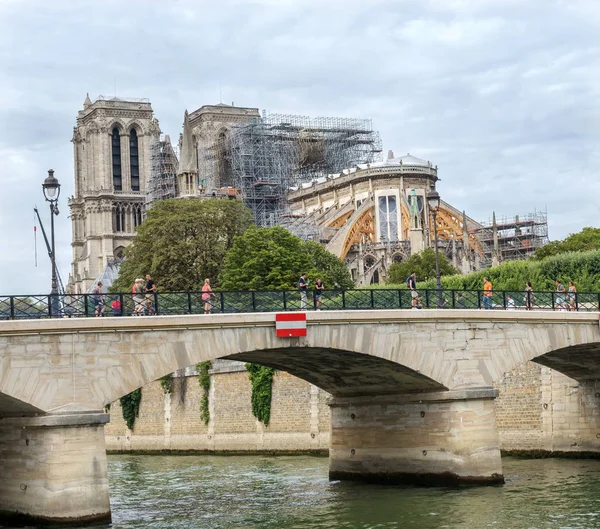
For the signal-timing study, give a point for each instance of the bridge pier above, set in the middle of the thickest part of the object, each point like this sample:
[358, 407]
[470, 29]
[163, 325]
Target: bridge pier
[441, 438]
[53, 468]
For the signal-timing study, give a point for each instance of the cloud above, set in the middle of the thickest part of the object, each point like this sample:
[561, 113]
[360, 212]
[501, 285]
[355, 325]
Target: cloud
[503, 95]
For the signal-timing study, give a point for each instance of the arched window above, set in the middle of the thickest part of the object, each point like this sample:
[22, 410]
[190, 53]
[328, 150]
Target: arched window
[116, 160]
[137, 215]
[134, 160]
[119, 217]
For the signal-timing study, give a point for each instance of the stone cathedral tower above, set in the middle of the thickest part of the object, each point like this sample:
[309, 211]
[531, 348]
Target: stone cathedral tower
[112, 141]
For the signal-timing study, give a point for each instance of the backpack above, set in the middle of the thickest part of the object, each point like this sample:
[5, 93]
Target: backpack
[408, 281]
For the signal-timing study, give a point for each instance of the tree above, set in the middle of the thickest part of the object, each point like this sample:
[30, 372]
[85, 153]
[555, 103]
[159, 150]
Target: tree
[182, 242]
[586, 239]
[273, 259]
[423, 263]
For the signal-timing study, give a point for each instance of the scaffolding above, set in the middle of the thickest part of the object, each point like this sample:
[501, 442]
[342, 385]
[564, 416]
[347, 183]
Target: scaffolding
[162, 183]
[279, 151]
[518, 237]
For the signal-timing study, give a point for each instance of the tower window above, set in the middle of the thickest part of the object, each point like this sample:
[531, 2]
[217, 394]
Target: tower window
[137, 215]
[116, 160]
[118, 218]
[134, 161]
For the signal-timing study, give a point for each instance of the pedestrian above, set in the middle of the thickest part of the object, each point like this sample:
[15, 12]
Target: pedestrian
[138, 297]
[560, 296]
[510, 303]
[319, 287]
[572, 296]
[98, 300]
[302, 287]
[150, 291]
[411, 283]
[461, 302]
[528, 296]
[116, 307]
[487, 294]
[207, 295]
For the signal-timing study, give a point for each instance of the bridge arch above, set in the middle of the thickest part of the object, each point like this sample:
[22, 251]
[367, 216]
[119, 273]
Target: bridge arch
[76, 364]
[413, 390]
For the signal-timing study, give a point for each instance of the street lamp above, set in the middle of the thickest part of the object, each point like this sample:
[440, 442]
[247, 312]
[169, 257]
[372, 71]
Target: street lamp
[433, 199]
[51, 189]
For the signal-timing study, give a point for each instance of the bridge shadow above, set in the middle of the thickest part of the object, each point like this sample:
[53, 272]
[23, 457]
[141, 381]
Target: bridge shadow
[342, 373]
[579, 362]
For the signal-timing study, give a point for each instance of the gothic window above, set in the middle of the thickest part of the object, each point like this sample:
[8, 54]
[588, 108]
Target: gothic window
[116, 159]
[375, 278]
[137, 215]
[388, 219]
[134, 160]
[119, 218]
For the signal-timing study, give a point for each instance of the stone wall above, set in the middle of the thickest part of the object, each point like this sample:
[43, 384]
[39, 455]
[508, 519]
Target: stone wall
[538, 410]
[299, 416]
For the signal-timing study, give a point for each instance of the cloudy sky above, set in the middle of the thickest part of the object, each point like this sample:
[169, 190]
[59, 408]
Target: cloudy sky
[503, 95]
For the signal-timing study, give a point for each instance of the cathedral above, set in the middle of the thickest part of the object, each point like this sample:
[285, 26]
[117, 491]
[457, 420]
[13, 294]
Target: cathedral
[321, 178]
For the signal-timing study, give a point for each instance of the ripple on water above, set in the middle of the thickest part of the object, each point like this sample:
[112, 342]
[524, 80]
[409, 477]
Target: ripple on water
[253, 492]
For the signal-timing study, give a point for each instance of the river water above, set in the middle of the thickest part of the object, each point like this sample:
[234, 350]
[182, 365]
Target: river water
[251, 492]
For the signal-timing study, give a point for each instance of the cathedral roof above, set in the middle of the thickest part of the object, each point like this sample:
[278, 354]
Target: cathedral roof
[407, 159]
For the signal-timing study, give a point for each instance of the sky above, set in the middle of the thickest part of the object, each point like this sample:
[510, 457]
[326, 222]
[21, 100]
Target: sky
[502, 95]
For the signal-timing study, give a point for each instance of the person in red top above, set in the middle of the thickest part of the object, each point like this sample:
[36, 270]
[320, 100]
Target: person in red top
[207, 295]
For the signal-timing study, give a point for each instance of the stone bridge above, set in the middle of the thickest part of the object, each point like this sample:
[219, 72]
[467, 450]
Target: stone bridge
[412, 391]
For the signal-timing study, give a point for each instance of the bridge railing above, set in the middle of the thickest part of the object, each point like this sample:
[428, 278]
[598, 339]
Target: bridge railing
[177, 303]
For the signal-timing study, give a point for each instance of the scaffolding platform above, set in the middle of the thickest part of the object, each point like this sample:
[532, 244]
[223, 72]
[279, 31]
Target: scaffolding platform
[517, 237]
[279, 151]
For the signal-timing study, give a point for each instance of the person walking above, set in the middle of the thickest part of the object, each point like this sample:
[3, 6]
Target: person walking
[411, 283]
[560, 296]
[150, 290]
[207, 295]
[98, 300]
[319, 287]
[302, 288]
[572, 296]
[528, 296]
[487, 294]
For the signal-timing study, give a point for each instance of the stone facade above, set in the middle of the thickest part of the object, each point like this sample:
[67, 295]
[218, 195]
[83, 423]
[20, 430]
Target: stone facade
[374, 215]
[111, 143]
[211, 128]
[299, 416]
[538, 411]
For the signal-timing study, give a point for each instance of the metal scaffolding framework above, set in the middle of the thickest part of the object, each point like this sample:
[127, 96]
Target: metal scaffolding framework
[280, 151]
[518, 237]
[162, 183]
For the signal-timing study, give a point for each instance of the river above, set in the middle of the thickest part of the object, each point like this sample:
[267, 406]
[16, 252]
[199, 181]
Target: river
[252, 492]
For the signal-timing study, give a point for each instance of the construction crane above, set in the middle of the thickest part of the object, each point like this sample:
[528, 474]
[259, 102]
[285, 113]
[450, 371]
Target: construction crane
[61, 287]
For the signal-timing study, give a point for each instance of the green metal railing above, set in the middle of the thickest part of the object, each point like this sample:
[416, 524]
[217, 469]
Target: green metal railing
[223, 302]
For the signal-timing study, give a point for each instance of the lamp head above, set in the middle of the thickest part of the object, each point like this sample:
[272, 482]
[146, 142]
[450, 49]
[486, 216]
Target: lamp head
[51, 187]
[433, 199]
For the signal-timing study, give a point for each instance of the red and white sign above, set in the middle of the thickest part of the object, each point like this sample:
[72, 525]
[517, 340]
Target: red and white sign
[290, 324]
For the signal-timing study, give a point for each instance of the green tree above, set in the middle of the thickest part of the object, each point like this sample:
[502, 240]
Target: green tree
[273, 259]
[423, 263]
[586, 239]
[182, 242]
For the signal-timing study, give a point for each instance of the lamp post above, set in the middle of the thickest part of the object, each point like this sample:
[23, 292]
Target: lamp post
[433, 199]
[51, 189]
